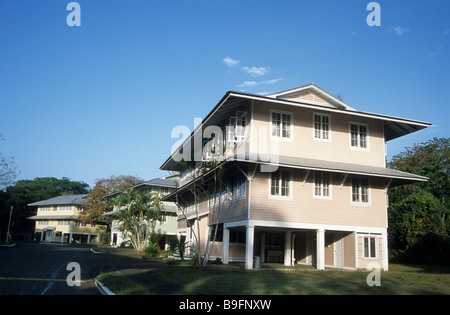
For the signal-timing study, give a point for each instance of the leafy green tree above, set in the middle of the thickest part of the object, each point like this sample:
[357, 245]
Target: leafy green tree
[24, 192]
[138, 214]
[430, 159]
[419, 213]
[415, 216]
[103, 187]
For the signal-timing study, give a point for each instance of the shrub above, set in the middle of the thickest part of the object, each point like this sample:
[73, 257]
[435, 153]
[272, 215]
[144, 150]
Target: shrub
[104, 239]
[151, 251]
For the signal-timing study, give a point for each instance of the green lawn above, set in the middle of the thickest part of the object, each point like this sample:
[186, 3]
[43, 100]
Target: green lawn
[121, 285]
[399, 280]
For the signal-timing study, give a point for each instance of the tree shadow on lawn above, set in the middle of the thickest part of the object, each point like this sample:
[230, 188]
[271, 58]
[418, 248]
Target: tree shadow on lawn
[262, 282]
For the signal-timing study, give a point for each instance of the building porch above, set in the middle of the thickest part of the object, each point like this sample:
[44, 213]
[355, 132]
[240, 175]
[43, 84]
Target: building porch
[317, 246]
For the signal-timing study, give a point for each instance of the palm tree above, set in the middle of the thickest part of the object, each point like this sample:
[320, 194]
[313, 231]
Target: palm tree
[138, 214]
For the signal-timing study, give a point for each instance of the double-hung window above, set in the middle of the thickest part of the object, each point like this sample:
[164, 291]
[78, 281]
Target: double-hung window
[238, 188]
[321, 127]
[359, 136]
[360, 191]
[217, 199]
[322, 185]
[370, 247]
[280, 184]
[281, 124]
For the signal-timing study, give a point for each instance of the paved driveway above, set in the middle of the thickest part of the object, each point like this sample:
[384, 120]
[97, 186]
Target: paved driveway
[41, 269]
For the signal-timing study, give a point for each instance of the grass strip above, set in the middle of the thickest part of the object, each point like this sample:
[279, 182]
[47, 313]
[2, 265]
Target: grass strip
[399, 280]
[120, 284]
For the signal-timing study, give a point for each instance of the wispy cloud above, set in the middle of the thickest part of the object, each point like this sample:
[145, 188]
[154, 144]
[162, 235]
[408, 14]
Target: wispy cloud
[230, 62]
[256, 71]
[446, 32]
[248, 83]
[398, 30]
[272, 81]
[254, 83]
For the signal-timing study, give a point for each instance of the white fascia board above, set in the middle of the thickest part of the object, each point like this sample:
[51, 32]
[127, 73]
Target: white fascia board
[330, 109]
[307, 226]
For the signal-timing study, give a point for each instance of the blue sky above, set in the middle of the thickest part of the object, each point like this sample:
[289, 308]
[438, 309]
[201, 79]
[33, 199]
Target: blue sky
[102, 99]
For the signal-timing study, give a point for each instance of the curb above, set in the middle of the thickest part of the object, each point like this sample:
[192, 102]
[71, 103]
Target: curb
[95, 252]
[103, 289]
[9, 245]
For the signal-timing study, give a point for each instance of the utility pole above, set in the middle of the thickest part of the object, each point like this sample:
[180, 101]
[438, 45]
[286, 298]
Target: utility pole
[9, 223]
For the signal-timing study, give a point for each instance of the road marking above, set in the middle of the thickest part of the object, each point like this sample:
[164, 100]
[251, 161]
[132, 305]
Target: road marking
[39, 279]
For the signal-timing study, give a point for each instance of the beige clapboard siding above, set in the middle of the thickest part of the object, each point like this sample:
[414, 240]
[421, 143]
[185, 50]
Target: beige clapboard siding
[364, 262]
[234, 210]
[307, 96]
[349, 251]
[304, 208]
[303, 145]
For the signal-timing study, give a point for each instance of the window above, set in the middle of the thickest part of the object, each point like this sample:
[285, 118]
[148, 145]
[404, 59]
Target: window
[241, 122]
[235, 129]
[65, 207]
[217, 199]
[322, 127]
[281, 124]
[238, 188]
[218, 235]
[322, 185]
[164, 190]
[359, 135]
[42, 222]
[280, 183]
[237, 237]
[370, 246]
[360, 190]
[63, 222]
[189, 207]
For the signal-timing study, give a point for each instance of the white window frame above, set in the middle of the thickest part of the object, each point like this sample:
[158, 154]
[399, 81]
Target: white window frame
[320, 176]
[238, 188]
[217, 199]
[358, 147]
[376, 249]
[279, 196]
[321, 131]
[359, 202]
[291, 127]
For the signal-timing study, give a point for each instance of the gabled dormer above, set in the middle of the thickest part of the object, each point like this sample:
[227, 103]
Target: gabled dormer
[312, 94]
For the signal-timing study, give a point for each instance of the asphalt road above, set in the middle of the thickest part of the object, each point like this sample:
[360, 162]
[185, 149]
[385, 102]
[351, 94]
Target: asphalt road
[41, 269]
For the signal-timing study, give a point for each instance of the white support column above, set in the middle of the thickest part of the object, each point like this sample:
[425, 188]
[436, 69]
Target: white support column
[287, 249]
[70, 238]
[250, 235]
[385, 252]
[263, 247]
[225, 246]
[320, 249]
[89, 239]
